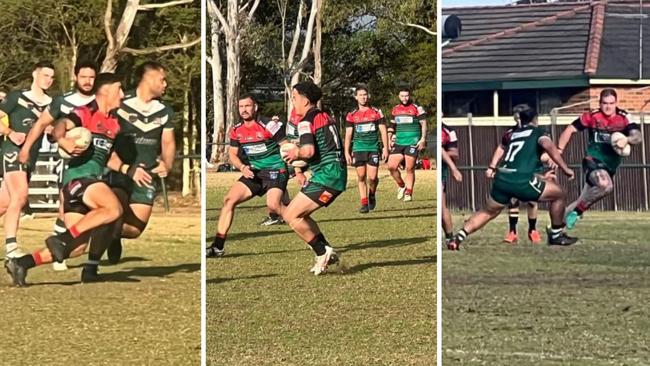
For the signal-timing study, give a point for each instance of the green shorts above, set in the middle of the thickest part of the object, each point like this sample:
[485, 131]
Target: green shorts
[143, 195]
[524, 188]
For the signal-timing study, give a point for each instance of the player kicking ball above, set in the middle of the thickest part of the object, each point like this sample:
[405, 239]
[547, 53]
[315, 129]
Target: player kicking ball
[320, 147]
[516, 178]
[264, 174]
[602, 158]
[365, 128]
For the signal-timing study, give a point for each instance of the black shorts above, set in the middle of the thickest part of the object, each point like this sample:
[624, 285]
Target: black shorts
[589, 164]
[73, 194]
[10, 163]
[265, 180]
[363, 158]
[320, 194]
[406, 150]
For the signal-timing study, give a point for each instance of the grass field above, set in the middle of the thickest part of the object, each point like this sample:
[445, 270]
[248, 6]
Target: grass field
[147, 312]
[265, 308]
[539, 305]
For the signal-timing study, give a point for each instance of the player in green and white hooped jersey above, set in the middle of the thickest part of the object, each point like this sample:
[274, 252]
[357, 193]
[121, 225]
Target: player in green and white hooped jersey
[516, 178]
[23, 109]
[364, 132]
[146, 144]
[320, 147]
[407, 137]
[82, 94]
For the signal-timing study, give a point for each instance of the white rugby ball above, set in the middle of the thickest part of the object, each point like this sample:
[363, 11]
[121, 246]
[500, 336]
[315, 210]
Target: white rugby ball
[82, 137]
[290, 146]
[616, 139]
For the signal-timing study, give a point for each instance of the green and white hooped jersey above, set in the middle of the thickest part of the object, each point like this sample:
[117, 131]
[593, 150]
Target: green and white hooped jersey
[64, 104]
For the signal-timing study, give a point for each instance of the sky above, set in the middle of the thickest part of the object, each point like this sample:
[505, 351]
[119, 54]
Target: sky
[454, 3]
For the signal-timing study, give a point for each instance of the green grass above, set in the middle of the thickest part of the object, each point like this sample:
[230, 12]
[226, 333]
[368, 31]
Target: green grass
[147, 311]
[265, 308]
[539, 305]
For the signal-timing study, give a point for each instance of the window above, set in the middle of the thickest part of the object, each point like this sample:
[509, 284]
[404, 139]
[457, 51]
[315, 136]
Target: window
[459, 104]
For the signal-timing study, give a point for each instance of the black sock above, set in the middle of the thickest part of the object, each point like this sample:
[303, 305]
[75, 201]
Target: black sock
[461, 236]
[512, 221]
[556, 230]
[66, 237]
[449, 236]
[27, 261]
[59, 226]
[219, 242]
[532, 224]
[318, 244]
[274, 216]
[11, 240]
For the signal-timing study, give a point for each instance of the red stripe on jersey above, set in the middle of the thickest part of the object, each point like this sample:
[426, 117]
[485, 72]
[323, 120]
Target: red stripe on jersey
[247, 134]
[369, 115]
[409, 110]
[98, 123]
[597, 120]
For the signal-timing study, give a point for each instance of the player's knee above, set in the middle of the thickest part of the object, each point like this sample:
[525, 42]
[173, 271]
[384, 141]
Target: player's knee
[393, 167]
[362, 178]
[229, 202]
[373, 181]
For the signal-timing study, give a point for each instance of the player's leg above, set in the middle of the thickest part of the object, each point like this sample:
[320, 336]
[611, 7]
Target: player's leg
[5, 199]
[136, 221]
[274, 200]
[100, 239]
[599, 184]
[363, 187]
[59, 228]
[104, 209]
[533, 234]
[239, 193]
[17, 186]
[394, 161]
[372, 170]
[477, 221]
[553, 193]
[409, 166]
[447, 224]
[513, 220]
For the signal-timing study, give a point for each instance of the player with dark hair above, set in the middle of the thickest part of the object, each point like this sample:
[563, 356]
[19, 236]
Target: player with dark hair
[513, 206]
[516, 178]
[23, 107]
[601, 160]
[89, 204]
[407, 137]
[62, 105]
[264, 173]
[320, 146]
[366, 142]
[449, 154]
[146, 148]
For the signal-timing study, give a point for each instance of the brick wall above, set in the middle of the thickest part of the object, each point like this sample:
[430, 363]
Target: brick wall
[630, 98]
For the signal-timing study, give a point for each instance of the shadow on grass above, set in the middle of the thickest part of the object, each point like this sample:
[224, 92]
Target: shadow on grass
[373, 217]
[237, 255]
[251, 235]
[104, 262]
[256, 207]
[222, 280]
[131, 275]
[362, 267]
[384, 243]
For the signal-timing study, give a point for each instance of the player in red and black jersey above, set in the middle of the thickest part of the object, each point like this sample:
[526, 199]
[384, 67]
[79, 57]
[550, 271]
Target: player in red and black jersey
[320, 147]
[366, 143]
[264, 173]
[449, 154]
[601, 161]
[91, 208]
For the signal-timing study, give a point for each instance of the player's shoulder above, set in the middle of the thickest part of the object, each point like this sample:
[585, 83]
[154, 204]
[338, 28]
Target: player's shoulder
[446, 127]
[621, 112]
[350, 115]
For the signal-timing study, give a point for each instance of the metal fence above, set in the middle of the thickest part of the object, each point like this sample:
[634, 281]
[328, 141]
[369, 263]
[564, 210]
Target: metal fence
[478, 141]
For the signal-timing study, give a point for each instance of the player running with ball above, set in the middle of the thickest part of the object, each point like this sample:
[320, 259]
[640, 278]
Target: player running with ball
[516, 178]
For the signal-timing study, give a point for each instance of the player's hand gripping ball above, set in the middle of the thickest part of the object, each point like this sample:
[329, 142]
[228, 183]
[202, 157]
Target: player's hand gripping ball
[620, 144]
[284, 149]
[82, 138]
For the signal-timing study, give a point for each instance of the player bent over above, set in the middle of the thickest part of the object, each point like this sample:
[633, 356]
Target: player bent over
[516, 178]
[449, 154]
[320, 147]
[89, 204]
[601, 160]
[266, 172]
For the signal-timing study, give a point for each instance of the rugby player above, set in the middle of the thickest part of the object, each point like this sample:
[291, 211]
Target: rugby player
[264, 173]
[23, 107]
[516, 178]
[449, 154]
[320, 147]
[82, 94]
[513, 206]
[407, 137]
[146, 144]
[88, 202]
[601, 161]
[365, 129]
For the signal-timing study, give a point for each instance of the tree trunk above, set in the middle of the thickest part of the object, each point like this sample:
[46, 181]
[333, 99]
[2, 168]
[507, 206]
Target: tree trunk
[318, 71]
[232, 76]
[289, 62]
[218, 134]
[307, 45]
[187, 169]
[117, 40]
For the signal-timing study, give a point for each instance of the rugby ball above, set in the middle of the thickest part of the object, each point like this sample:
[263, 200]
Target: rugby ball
[618, 139]
[290, 146]
[81, 136]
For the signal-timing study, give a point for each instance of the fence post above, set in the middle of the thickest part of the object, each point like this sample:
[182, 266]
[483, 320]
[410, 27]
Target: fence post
[644, 161]
[471, 162]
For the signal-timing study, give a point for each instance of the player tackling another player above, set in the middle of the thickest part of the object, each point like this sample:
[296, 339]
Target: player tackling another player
[517, 177]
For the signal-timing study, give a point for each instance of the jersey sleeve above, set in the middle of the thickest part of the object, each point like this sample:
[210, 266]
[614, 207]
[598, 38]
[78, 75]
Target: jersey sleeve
[277, 130]
[55, 108]
[541, 133]
[10, 102]
[505, 139]
[631, 127]
[453, 140]
[76, 117]
[348, 120]
[234, 142]
[421, 113]
[382, 118]
[169, 123]
[584, 121]
[306, 133]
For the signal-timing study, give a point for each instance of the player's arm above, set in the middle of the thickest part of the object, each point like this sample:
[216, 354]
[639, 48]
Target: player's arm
[167, 153]
[547, 144]
[451, 163]
[575, 126]
[390, 130]
[6, 107]
[383, 134]
[34, 134]
[633, 133]
[496, 157]
[422, 143]
[347, 143]
[58, 134]
[307, 141]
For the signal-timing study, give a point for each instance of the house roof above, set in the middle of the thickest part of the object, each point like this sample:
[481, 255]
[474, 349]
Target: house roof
[556, 41]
